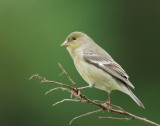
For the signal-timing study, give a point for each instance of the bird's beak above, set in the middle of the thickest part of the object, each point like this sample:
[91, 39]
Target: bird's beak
[65, 44]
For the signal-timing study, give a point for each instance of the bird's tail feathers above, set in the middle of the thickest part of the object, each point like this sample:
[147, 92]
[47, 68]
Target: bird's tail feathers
[130, 93]
[135, 99]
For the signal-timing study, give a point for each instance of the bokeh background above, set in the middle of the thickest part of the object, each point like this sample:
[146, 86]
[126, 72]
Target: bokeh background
[30, 34]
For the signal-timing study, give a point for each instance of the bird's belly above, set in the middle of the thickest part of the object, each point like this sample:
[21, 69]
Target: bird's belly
[96, 77]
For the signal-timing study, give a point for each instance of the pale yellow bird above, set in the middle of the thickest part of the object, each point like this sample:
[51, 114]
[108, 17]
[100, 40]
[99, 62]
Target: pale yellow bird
[97, 67]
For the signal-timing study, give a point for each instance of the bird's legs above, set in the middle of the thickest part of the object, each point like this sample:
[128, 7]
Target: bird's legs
[79, 90]
[108, 101]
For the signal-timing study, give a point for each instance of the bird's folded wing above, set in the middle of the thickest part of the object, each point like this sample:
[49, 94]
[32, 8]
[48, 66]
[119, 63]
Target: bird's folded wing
[108, 65]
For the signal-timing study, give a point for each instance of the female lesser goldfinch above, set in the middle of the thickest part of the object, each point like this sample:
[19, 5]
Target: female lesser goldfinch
[97, 67]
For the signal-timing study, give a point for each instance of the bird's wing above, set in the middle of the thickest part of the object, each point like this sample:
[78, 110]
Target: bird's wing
[108, 65]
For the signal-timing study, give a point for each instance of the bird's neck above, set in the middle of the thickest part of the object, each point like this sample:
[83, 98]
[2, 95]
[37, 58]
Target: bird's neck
[75, 52]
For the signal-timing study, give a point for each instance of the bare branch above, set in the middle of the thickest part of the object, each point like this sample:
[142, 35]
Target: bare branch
[88, 113]
[44, 80]
[67, 75]
[100, 104]
[99, 101]
[73, 100]
[114, 118]
[63, 89]
[118, 107]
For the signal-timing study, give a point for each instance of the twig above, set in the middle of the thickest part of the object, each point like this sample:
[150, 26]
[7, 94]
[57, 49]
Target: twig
[99, 101]
[114, 118]
[88, 113]
[44, 80]
[73, 100]
[67, 75]
[63, 89]
[114, 108]
[117, 107]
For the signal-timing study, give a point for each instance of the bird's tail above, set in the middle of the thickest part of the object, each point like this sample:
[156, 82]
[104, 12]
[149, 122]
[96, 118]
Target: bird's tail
[130, 93]
[135, 99]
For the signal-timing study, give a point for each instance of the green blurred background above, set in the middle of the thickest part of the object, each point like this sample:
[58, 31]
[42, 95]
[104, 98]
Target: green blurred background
[30, 34]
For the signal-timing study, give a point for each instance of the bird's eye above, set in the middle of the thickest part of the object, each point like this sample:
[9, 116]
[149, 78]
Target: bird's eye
[73, 38]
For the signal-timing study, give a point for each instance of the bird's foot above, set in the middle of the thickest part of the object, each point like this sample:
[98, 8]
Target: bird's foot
[76, 94]
[108, 102]
[106, 105]
[79, 91]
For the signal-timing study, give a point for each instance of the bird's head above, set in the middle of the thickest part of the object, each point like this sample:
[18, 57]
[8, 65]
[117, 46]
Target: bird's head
[76, 40]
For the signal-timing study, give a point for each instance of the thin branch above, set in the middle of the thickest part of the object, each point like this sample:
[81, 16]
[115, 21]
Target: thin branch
[99, 101]
[117, 107]
[88, 113]
[73, 100]
[67, 75]
[114, 118]
[44, 80]
[63, 89]
[113, 108]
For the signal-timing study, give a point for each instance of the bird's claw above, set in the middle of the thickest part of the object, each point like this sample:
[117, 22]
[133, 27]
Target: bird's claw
[79, 92]
[106, 105]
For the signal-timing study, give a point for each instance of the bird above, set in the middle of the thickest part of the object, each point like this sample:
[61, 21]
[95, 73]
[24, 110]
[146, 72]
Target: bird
[97, 67]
